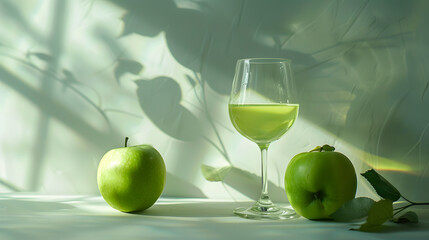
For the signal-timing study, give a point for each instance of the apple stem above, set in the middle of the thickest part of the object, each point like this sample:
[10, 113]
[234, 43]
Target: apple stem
[126, 141]
[317, 149]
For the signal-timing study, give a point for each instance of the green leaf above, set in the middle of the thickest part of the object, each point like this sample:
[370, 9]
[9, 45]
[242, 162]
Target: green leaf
[327, 148]
[379, 213]
[383, 187]
[408, 217]
[354, 209]
[215, 174]
[324, 148]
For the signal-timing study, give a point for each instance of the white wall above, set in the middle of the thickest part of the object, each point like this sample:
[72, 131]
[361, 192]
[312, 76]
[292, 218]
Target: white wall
[76, 77]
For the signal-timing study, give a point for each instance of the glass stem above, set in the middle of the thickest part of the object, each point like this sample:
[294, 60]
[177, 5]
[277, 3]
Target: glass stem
[264, 199]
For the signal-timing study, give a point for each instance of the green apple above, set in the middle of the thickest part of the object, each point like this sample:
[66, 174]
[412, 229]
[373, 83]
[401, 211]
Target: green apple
[319, 182]
[132, 178]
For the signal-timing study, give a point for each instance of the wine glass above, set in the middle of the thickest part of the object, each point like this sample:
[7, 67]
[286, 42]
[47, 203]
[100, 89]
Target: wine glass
[262, 108]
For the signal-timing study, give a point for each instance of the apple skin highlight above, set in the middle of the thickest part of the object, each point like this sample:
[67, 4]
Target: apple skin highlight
[131, 179]
[319, 183]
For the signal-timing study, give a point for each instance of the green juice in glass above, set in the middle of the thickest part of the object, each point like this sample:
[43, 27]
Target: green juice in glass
[263, 123]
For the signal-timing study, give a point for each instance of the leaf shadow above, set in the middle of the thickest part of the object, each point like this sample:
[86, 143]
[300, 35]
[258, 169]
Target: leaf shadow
[197, 44]
[160, 99]
[124, 66]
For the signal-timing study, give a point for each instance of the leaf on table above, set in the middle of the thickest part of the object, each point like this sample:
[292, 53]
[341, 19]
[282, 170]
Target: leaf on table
[213, 174]
[408, 217]
[383, 187]
[379, 213]
[354, 209]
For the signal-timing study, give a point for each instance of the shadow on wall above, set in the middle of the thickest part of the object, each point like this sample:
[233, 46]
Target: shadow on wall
[360, 70]
[160, 100]
[198, 40]
[360, 66]
[50, 77]
[210, 38]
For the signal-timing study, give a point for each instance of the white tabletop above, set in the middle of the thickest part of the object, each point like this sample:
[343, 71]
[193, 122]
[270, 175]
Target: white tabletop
[35, 216]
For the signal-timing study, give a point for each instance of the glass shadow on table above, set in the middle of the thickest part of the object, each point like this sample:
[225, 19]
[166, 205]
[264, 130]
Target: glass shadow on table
[193, 209]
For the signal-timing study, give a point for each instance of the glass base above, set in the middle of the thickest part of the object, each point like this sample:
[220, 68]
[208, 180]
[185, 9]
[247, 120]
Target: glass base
[266, 212]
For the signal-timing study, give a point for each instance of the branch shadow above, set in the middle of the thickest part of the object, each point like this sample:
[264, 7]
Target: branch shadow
[350, 74]
[44, 99]
[194, 40]
[47, 105]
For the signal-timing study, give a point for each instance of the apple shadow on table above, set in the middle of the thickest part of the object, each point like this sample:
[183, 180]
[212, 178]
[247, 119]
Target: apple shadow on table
[179, 188]
[195, 209]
